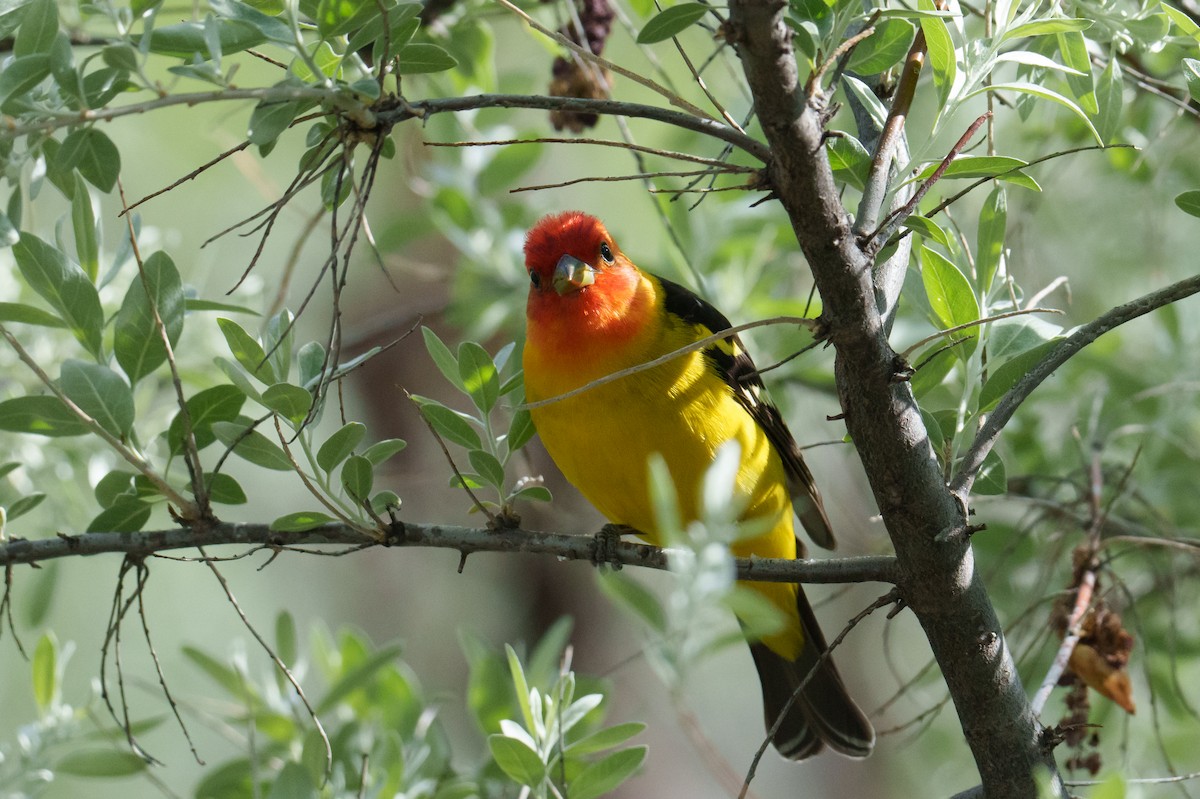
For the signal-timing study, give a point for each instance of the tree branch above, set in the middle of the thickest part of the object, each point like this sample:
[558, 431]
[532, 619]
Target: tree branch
[986, 438]
[466, 540]
[925, 522]
[424, 108]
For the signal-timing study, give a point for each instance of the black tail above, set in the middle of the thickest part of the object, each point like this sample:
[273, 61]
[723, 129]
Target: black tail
[823, 713]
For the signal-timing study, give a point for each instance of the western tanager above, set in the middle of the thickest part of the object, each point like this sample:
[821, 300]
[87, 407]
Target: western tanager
[591, 312]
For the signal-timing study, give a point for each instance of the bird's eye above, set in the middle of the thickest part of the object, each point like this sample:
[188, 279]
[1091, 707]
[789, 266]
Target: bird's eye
[535, 279]
[606, 252]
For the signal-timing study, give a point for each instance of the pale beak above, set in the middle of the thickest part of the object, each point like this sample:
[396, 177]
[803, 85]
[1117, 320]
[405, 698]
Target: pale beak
[572, 274]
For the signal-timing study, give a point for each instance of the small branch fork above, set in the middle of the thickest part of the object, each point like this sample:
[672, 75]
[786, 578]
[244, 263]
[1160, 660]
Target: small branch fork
[460, 539]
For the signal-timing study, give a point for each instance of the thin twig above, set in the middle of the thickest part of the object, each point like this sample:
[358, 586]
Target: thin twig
[890, 598]
[279, 664]
[968, 325]
[876, 238]
[601, 142]
[1083, 601]
[985, 439]
[191, 453]
[731, 169]
[843, 50]
[450, 459]
[186, 508]
[693, 347]
[195, 173]
[589, 56]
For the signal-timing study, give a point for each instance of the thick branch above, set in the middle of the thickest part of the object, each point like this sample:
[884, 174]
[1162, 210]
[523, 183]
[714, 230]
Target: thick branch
[926, 523]
[985, 439]
[466, 540]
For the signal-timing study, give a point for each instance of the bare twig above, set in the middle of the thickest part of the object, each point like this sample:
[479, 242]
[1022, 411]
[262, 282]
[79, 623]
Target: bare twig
[186, 508]
[874, 240]
[985, 439]
[623, 145]
[731, 169]
[693, 347]
[843, 50]
[968, 325]
[890, 598]
[195, 173]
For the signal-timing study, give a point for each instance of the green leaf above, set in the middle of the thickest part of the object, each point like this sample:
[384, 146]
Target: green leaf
[285, 637]
[248, 352]
[187, 39]
[24, 505]
[1046, 94]
[289, 401]
[120, 56]
[310, 361]
[448, 424]
[940, 49]
[137, 340]
[301, 521]
[335, 17]
[277, 342]
[488, 467]
[605, 738]
[1186, 24]
[1008, 373]
[1075, 55]
[65, 286]
[520, 430]
[100, 393]
[194, 304]
[949, 292]
[479, 376]
[39, 27]
[993, 219]
[1111, 97]
[293, 782]
[357, 678]
[381, 451]
[358, 477]
[218, 672]
[224, 489]
[43, 416]
[533, 493]
[928, 228]
[100, 763]
[126, 515]
[339, 445]
[83, 223]
[19, 76]
[45, 673]
[671, 22]
[991, 479]
[1191, 72]
[507, 165]
[607, 773]
[271, 26]
[271, 118]
[113, 485]
[1189, 202]
[517, 760]
[849, 160]
[420, 58]
[884, 48]
[252, 446]
[932, 365]
[217, 404]
[520, 685]
[635, 597]
[1046, 27]
[443, 358]
[95, 156]
[28, 315]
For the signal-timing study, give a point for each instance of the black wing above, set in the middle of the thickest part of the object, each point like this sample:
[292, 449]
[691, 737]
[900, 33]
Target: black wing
[730, 360]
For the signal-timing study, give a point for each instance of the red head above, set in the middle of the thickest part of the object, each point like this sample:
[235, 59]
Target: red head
[578, 278]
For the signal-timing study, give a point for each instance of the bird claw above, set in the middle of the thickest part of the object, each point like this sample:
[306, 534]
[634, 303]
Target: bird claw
[604, 545]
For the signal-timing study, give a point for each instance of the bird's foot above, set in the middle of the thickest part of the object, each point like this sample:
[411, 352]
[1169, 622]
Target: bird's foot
[605, 542]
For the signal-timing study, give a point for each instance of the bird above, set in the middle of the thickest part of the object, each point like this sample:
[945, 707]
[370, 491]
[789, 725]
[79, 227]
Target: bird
[591, 312]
